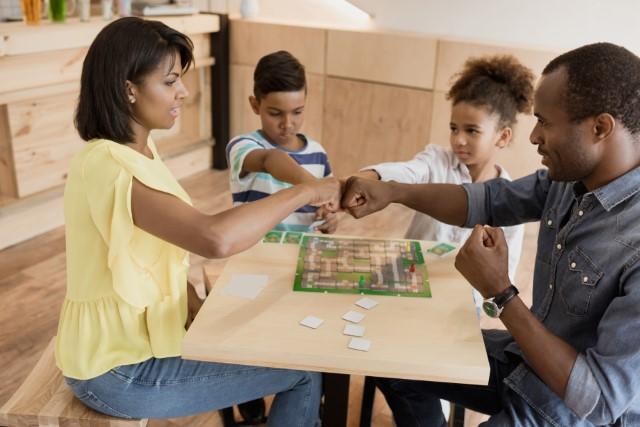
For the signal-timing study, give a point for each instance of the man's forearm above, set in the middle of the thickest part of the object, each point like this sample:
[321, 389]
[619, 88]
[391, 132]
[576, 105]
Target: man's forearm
[445, 202]
[550, 357]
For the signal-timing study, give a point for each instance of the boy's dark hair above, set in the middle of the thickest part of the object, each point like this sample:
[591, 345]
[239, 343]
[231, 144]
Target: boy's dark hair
[499, 83]
[602, 78]
[278, 72]
[127, 49]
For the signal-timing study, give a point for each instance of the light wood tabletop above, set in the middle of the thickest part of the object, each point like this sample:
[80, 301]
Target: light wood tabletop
[435, 338]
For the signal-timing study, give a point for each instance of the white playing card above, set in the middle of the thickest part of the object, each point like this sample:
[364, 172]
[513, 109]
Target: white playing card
[246, 286]
[353, 316]
[360, 344]
[353, 330]
[315, 224]
[367, 303]
[311, 322]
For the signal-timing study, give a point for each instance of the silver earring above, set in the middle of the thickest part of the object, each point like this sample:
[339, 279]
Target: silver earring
[132, 99]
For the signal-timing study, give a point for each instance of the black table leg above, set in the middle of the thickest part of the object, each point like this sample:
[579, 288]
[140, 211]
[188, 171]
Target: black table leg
[336, 399]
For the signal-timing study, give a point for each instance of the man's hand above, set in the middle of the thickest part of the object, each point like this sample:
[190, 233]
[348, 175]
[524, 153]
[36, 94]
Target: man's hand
[484, 260]
[362, 197]
[330, 223]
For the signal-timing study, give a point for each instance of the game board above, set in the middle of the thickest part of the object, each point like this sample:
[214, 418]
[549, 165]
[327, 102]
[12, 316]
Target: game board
[366, 266]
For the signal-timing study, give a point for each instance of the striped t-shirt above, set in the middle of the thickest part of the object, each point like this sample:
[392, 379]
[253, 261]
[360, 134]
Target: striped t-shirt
[257, 185]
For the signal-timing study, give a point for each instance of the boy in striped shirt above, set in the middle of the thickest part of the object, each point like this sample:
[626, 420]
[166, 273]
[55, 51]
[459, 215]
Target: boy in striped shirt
[277, 155]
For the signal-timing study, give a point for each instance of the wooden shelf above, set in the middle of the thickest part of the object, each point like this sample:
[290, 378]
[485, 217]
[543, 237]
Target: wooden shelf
[17, 38]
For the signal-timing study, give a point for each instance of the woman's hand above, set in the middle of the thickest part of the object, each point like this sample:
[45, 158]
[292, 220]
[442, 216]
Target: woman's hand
[193, 304]
[324, 192]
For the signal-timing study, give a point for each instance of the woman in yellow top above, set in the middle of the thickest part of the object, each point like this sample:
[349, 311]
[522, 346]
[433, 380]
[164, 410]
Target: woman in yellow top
[129, 230]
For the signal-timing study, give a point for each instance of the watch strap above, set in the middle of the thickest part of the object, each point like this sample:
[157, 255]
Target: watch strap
[505, 296]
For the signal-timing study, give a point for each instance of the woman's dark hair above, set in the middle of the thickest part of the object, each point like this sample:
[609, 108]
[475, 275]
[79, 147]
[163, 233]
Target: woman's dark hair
[500, 84]
[127, 49]
[278, 72]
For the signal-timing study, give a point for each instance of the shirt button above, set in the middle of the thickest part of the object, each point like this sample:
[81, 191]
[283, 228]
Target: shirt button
[585, 279]
[573, 265]
[580, 213]
[559, 246]
[550, 285]
[549, 222]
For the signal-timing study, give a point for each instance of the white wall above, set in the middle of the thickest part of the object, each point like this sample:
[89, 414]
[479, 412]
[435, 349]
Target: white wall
[547, 24]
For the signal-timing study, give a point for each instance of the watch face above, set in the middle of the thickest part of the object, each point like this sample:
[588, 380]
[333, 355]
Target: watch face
[491, 308]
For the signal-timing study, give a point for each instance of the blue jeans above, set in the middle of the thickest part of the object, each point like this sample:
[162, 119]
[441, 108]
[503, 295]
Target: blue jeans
[175, 387]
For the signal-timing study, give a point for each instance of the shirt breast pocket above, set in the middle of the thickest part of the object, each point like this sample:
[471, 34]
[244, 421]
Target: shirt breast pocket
[580, 282]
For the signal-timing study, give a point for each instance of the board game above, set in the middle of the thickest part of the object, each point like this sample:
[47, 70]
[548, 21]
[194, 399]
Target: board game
[361, 266]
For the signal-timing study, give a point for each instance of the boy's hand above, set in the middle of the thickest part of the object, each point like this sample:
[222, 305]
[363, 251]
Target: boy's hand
[325, 192]
[362, 197]
[484, 260]
[330, 223]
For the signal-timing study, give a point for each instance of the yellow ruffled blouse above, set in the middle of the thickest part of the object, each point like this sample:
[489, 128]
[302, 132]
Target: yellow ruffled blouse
[126, 295]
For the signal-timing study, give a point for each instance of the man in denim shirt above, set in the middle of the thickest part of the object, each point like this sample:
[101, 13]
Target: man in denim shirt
[573, 359]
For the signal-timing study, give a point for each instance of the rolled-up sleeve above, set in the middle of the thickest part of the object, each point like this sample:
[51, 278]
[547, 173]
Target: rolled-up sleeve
[604, 379]
[500, 202]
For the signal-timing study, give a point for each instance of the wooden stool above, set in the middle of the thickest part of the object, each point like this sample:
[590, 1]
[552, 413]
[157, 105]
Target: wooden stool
[44, 399]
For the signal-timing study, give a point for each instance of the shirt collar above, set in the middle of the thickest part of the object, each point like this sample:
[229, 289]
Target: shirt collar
[464, 170]
[618, 190]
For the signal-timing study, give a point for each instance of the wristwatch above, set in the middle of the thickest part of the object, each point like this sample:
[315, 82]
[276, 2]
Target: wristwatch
[493, 306]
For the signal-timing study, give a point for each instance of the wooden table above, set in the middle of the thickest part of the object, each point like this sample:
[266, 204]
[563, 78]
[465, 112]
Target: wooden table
[435, 339]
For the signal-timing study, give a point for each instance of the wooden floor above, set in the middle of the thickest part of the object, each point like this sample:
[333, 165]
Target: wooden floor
[32, 286]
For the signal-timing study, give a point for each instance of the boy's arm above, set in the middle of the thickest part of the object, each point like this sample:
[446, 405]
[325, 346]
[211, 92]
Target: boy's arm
[278, 164]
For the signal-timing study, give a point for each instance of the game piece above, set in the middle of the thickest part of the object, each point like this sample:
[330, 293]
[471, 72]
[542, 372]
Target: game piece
[361, 266]
[359, 344]
[311, 322]
[353, 316]
[367, 303]
[353, 330]
[441, 249]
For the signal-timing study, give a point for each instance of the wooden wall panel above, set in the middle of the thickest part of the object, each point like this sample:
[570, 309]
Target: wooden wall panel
[8, 185]
[240, 88]
[452, 55]
[519, 158]
[44, 140]
[394, 58]
[366, 123]
[244, 120]
[252, 40]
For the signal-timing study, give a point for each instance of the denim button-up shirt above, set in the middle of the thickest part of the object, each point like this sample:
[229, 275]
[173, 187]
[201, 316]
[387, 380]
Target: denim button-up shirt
[586, 290]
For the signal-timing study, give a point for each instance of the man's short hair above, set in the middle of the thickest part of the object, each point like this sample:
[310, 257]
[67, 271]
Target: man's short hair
[602, 78]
